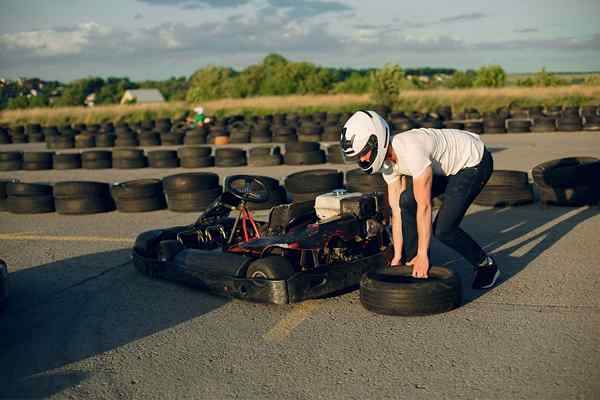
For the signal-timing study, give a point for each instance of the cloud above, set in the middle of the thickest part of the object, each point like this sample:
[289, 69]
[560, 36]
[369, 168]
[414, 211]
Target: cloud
[309, 8]
[138, 16]
[462, 17]
[559, 43]
[526, 30]
[194, 4]
[59, 41]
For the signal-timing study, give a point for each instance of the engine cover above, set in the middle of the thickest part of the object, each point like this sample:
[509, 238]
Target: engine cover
[329, 205]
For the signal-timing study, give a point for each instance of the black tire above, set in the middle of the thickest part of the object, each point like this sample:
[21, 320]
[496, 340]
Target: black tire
[162, 155]
[518, 126]
[84, 205]
[508, 178]
[66, 161]
[265, 160]
[230, 162]
[27, 189]
[454, 125]
[38, 156]
[570, 181]
[563, 127]
[96, 164]
[359, 178]
[13, 165]
[81, 189]
[36, 165]
[139, 188]
[190, 202]
[260, 151]
[126, 163]
[94, 155]
[307, 158]
[194, 151]
[540, 128]
[30, 204]
[163, 163]
[502, 196]
[270, 268]
[392, 291]
[11, 156]
[190, 182]
[230, 152]
[302, 147]
[317, 180]
[198, 162]
[154, 203]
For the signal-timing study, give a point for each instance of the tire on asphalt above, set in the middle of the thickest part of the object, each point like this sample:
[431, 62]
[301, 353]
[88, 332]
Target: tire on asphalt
[68, 189]
[192, 201]
[316, 180]
[64, 161]
[393, 291]
[190, 182]
[270, 268]
[305, 158]
[84, 205]
[508, 178]
[502, 196]
[24, 204]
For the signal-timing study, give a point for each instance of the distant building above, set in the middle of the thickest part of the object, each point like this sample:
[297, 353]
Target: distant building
[140, 96]
[90, 100]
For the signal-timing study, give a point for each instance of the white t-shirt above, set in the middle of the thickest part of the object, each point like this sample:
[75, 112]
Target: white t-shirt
[446, 150]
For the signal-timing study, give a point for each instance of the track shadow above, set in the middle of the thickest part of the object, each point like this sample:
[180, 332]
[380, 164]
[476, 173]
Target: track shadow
[66, 311]
[515, 236]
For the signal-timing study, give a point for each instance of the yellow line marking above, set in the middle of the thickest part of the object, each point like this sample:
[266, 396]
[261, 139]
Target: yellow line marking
[13, 236]
[285, 327]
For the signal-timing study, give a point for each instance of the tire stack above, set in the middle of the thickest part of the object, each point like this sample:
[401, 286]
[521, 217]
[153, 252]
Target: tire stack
[195, 136]
[505, 188]
[261, 134]
[126, 138]
[11, 160]
[62, 161]
[240, 133]
[191, 192]
[307, 185]
[96, 159]
[3, 184]
[334, 154]
[474, 126]
[492, 123]
[284, 134]
[331, 133]
[264, 156]
[571, 181]
[37, 161]
[105, 139]
[29, 198]
[518, 125]
[148, 139]
[82, 197]
[60, 141]
[18, 135]
[34, 133]
[454, 125]
[592, 119]
[4, 136]
[310, 132]
[140, 195]
[128, 158]
[543, 124]
[304, 153]
[195, 156]
[570, 121]
[163, 159]
[230, 157]
[358, 181]
[85, 140]
[278, 194]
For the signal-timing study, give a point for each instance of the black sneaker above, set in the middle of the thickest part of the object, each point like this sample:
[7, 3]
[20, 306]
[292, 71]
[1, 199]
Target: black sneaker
[486, 274]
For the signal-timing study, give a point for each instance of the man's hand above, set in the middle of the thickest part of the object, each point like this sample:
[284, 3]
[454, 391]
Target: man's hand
[420, 266]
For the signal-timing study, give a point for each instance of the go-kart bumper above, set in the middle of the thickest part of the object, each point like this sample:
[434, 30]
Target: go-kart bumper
[319, 282]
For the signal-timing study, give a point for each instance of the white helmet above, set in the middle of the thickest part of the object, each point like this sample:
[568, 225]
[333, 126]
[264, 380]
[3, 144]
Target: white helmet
[366, 131]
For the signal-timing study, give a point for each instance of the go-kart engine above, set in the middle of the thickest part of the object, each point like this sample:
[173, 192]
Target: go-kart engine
[338, 202]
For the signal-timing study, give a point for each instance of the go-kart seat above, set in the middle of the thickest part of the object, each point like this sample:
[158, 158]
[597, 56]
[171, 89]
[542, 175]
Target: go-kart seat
[284, 215]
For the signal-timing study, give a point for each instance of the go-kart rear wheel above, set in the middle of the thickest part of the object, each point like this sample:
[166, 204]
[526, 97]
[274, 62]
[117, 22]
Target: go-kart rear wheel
[271, 268]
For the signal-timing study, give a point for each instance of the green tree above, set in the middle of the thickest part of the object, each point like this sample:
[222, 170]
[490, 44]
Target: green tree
[76, 92]
[18, 102]
[387, 83]
[211, 83]
[544, 78]
[490, 76]
[460, 79]
[356, 83]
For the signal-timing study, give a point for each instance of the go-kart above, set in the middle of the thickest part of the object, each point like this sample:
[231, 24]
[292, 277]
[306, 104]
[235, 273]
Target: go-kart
[301, 252]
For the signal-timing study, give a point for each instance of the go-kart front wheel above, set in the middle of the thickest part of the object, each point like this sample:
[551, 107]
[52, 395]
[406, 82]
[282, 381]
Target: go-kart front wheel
[271, 268]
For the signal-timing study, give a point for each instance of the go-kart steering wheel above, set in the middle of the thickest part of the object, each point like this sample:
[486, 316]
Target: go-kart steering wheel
[248, 188]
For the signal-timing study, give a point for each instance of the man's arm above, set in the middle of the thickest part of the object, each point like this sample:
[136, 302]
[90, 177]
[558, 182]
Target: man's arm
[395, 190]
[422, 190]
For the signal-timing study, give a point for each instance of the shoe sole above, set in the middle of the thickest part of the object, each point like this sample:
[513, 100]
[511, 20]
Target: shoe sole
[493, 280]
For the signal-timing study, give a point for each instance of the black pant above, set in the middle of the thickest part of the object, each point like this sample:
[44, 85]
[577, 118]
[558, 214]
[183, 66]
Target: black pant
[459, 192]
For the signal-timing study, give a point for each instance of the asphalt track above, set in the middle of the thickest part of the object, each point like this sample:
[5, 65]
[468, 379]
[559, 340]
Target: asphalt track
[83, 323]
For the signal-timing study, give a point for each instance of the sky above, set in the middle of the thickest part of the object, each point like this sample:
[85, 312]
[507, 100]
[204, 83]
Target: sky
[156, 39]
